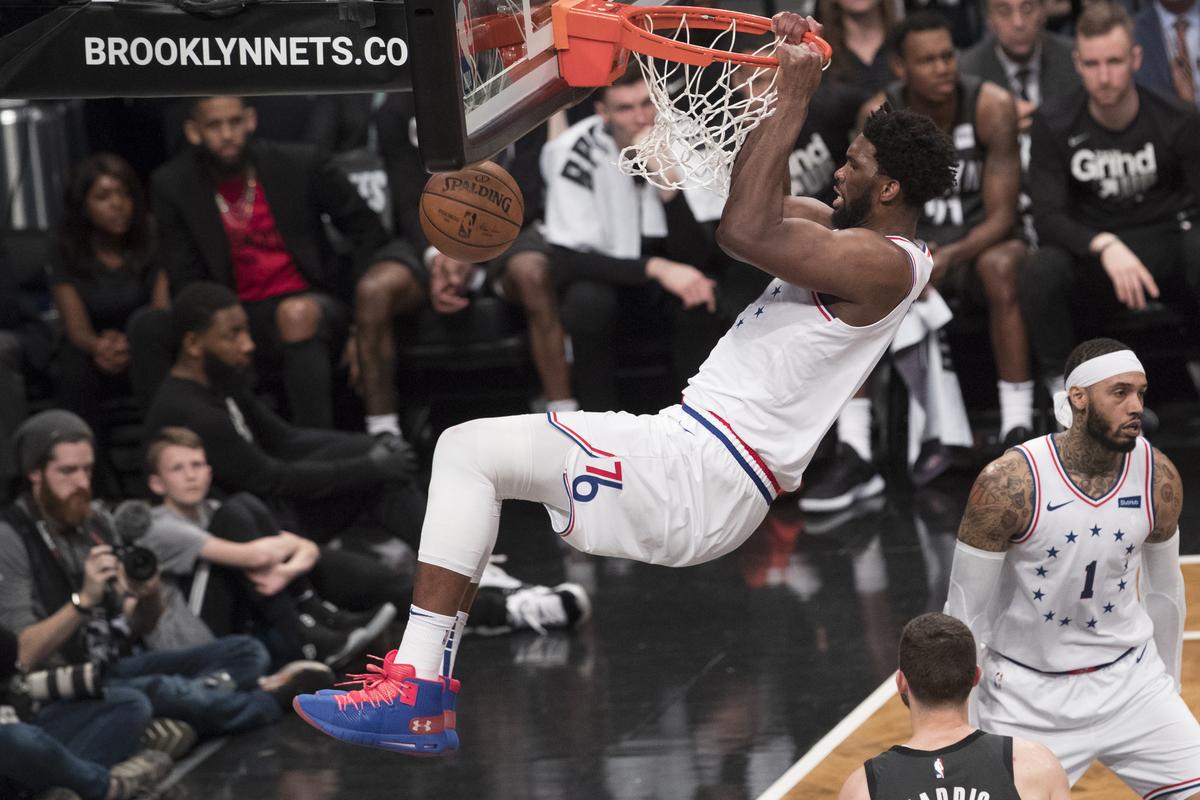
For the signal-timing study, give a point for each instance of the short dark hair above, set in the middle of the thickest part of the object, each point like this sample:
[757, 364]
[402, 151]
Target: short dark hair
[194, 106]
[912, 149]
[194, 307]
[1098, 19]
[916, 23]
[170, 436]
[937, 657]
[1092, 348]
[631, 75]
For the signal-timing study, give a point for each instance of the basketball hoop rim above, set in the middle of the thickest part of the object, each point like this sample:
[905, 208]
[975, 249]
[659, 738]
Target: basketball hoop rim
[589, 33]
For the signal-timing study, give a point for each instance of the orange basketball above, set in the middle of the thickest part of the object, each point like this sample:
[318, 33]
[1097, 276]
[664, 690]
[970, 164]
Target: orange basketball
[473, 214]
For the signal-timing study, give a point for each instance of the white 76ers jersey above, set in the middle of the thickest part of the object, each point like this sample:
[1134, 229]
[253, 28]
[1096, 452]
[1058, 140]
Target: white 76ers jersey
[788, 366]
[1068, 595]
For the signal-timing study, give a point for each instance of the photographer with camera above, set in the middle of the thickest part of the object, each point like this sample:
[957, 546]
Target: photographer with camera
[73, 592]
[62, 728]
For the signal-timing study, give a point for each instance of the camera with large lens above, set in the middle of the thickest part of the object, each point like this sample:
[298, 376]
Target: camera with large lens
[140, 564]
[72, 682]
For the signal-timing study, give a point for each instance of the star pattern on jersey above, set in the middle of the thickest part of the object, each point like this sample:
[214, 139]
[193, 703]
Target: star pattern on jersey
[1071, 537]
[1095, 530]
[1128, 551]
[1091, 623]
[775, 292]
[1108, 607]
[1049, 615]
[1064, 622]
[1119, 535]
[1087, 619]
[740, 323]
[1052, 552]
[759, 313]
[1041, 572]
[1121, 586]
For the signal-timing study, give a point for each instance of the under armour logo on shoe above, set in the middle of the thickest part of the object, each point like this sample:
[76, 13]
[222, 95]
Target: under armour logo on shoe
[421, 726]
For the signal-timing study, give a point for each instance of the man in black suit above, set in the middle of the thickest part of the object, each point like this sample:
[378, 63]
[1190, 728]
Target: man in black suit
[250, 215]
[1019, 55]
[1168, 31]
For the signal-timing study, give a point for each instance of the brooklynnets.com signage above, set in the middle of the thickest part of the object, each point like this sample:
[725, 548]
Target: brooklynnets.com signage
[141, 49]
[258, 51]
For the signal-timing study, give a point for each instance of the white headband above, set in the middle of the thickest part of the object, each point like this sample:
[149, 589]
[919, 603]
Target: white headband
[1091, 372]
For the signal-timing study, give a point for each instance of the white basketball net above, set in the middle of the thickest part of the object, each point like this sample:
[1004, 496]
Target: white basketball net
[704, 116]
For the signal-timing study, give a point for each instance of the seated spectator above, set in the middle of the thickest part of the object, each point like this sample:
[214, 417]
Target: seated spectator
[1018, 54]
[106, 272]
[623, 249]
[67, 594]
[1115, 176]
[1168, 34]
[323, 484]
[248, 214]
[857, 30]
[84, 743]
[522, 275]
[239, 567]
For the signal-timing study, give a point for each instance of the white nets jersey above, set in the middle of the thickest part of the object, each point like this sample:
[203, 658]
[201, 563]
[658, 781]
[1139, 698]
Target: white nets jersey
[1068, 595]
[782, 374]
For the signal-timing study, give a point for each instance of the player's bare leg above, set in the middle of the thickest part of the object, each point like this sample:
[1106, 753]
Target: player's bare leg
[387, 290]
[999, 269]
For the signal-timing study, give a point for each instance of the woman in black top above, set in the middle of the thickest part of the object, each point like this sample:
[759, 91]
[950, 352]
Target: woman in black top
[857, 30]
[104, 273]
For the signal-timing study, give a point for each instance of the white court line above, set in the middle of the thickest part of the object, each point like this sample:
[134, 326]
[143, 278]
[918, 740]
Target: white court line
[830, 741]
[1194, 559]
[1191, 636]
[197, 757]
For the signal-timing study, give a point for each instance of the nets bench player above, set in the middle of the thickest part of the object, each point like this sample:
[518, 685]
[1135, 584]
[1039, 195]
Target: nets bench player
[946, 756]
[1080, 655]
[692, 482]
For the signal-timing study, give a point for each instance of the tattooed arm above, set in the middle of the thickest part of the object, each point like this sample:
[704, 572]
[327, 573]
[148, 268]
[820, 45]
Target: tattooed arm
[1168, 498]
[1000, 506]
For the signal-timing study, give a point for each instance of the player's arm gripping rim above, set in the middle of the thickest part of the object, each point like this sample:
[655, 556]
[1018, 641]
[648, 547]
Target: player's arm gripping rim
[1000, 505]
[756, 227]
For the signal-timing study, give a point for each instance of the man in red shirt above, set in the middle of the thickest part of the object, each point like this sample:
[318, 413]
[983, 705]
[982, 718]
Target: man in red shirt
[252, 215]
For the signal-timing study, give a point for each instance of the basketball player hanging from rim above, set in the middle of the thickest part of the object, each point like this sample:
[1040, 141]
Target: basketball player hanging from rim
[1067, 572]
[692, 482]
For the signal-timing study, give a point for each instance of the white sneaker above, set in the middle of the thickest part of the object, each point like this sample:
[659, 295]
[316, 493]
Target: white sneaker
[542, 607]
[496, 578]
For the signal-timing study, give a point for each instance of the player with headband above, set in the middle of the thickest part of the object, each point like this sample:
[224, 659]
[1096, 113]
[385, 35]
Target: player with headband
[1067, 572]
[692, 482]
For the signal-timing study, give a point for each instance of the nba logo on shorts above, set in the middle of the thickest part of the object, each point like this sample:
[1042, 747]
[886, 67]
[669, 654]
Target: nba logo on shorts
[939, 769]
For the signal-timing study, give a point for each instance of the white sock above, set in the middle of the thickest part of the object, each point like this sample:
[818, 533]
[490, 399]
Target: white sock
[1055, 383]
[562, 406]
[424, 640]
[450, 653]
[854, 426]
[1016, 405]
[383, 423]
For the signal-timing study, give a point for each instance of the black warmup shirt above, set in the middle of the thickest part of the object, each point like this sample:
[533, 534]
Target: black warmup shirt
[251, 449]
[978, 767]
[949, 218]
[1085, 178]
[110, 295]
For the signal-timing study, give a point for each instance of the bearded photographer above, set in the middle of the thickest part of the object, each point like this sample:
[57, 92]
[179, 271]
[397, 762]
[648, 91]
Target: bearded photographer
[62, 728]
[71, 599]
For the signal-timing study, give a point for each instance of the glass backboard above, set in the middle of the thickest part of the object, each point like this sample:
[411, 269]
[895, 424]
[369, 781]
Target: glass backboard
[504, 75]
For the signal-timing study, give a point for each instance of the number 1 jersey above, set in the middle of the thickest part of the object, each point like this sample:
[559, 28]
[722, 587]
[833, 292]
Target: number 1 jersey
[1068, 595]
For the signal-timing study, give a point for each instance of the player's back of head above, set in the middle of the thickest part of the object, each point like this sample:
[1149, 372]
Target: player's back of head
[914, 151]
[937, 657]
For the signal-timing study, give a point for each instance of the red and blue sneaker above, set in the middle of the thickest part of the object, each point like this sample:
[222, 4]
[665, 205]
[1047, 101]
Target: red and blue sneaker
[392, 710]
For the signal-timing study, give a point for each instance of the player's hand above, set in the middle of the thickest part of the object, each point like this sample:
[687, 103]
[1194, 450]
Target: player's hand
[800, 68]
[448, 283]
[791, 26]
[270, 581]
[1131, 281]
[100, 567]
[690, 285]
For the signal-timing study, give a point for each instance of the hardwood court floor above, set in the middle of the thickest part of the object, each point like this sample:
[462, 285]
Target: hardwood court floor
[889, 726]
[688, 684]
